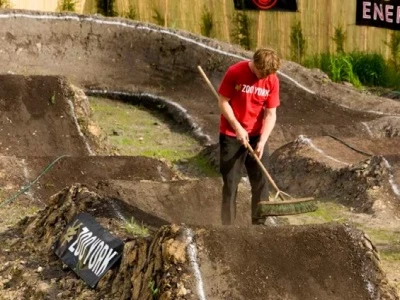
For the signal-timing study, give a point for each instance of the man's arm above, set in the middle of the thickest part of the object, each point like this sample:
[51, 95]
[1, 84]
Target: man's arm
[269, 124]
[227, 111]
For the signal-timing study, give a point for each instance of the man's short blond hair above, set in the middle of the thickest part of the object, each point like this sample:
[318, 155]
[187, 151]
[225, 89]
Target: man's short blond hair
[266, 61]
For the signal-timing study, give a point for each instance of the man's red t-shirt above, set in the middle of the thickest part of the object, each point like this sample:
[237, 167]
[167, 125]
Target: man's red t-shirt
[249, 96]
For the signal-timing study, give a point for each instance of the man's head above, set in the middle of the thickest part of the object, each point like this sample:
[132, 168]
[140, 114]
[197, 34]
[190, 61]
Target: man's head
[266, 62]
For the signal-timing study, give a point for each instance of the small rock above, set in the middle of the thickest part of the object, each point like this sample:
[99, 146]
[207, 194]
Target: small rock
[182, 291]
[42, 287]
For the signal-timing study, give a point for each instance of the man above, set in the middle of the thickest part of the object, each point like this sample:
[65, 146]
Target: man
[248, 98]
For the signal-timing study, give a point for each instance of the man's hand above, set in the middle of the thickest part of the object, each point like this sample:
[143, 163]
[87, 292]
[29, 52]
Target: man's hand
[242, 135]
[259, 150]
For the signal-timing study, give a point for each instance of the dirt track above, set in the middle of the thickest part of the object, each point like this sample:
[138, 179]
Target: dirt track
[347, 149]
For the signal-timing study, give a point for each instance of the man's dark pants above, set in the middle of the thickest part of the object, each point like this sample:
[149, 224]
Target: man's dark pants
[233, 156]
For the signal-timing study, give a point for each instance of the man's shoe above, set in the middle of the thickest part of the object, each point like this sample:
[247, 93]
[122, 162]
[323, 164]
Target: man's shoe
[271, 221]
[259, 221]
[268, 221]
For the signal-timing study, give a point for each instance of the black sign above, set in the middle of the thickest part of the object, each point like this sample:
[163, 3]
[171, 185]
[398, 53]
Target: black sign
[379, 13]
[88, 249]
[266, 4]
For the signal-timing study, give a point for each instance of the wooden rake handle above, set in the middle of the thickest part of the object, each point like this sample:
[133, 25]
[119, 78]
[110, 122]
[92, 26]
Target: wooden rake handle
[208, 82]
[266, 173]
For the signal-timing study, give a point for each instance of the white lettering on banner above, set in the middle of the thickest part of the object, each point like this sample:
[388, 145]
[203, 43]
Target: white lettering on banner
[384, 12]
[398, 15]
[91, 249]
[87, 242]
[378, 11]
[366, 10]
[249, 89]
[389, 13]
[95, 255]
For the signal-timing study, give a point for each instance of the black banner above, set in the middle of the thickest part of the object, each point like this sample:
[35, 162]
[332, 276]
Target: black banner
[88, 249]
[378, 13]
[290, 5]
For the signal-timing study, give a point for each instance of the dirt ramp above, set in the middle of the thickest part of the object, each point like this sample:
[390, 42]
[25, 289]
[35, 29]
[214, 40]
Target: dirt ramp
[328, 168]
[90, 170]
[195, 202]
[45, 176]
[305, 262]
[37, 117]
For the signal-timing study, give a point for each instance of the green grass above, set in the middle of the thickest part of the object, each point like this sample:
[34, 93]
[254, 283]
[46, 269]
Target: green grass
[392, 256]
[136, 131]
[382, 236]
[327, 211]
[358, 68]
[13, 212]
[133, 228]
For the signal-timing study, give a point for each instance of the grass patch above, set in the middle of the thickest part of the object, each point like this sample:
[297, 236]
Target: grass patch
[136, 131]
[12, 213]
[392, 256]
[207, 22]
[204, 167]
[329, 212]
[298, 43]
[382, 236]
[67, 5]
[133, 228]
[358, 68]
[241, 30]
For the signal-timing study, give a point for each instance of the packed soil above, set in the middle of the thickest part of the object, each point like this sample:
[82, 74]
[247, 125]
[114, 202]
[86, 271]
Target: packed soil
[331, 142]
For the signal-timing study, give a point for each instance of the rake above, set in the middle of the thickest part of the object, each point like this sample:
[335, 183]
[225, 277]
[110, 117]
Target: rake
[282, 203]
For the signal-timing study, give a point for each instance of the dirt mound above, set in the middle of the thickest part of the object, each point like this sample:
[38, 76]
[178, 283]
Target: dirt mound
[37, 117]
[145, 260]
[354, 178]
[384, 127]
[334, 261]
[310, 262]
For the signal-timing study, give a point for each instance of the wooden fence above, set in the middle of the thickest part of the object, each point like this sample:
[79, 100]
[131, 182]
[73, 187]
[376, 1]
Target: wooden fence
[318, 18]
